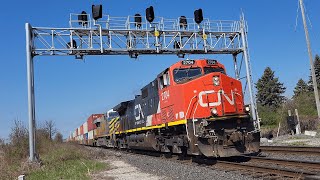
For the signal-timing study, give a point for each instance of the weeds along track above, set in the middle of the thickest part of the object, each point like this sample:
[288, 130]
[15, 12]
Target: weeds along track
[257, 167]
[291, 149]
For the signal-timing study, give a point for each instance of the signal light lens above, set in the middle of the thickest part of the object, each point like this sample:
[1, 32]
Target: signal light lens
[150, 14]
[216, 80]
[97, 11]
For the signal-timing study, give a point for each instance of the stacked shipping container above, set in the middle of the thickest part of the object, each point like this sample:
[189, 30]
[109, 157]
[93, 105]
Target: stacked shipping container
[85, 133]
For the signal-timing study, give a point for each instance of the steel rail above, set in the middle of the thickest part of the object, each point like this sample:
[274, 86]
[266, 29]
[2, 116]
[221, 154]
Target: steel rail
[264, 171]
[291, 149]
[309, 166]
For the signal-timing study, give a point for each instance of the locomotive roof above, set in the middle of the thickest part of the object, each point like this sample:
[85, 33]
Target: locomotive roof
[198, 62]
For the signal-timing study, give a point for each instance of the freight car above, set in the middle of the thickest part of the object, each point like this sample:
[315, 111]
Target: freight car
[192, 107]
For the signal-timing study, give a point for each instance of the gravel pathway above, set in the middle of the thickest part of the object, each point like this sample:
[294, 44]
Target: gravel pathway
[161, 168]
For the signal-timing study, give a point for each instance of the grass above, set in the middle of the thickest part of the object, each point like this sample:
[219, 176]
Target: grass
[71, 169]
[58, 161]
[66, 162]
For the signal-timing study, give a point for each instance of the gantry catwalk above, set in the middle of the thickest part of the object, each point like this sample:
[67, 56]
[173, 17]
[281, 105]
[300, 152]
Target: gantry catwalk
[127, 36]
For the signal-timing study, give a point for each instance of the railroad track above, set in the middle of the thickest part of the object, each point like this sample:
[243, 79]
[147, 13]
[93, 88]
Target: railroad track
[270, 168]
[291, 149]
[257, 167]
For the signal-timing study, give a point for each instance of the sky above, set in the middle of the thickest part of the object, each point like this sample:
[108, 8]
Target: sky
[68, 90]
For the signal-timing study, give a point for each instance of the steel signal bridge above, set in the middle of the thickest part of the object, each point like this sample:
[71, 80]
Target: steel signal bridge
[125, 36]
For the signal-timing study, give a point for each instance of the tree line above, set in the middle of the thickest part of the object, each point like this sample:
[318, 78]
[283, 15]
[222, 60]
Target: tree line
[273, 106]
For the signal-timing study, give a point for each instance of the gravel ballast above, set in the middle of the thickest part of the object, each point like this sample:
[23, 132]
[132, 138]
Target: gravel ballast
[161, 168]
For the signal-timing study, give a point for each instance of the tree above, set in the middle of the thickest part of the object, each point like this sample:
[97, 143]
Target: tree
[300, 88]
[2, 142]
[18, 133]
[316, 65]
[270, 90]
[50, 128]
[58, 138]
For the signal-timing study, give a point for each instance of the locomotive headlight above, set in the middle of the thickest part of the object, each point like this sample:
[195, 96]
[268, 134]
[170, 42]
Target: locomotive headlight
[216, 80]
[247, 109]
[214, 111]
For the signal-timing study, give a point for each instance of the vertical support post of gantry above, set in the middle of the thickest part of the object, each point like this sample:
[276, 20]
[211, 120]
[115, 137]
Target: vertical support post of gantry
[235, 66]
[248, 73]
[31, 99]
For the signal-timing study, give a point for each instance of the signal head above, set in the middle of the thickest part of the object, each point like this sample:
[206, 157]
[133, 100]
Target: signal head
[83, 18]
[198, 16]
[150, 14]
[97, 11]
[137, 20]
[183, 22]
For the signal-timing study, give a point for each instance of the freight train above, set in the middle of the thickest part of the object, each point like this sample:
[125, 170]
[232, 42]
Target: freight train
[193, 107]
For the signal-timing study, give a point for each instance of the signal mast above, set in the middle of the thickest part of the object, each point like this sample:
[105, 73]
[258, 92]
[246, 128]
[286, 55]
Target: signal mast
[137, 35]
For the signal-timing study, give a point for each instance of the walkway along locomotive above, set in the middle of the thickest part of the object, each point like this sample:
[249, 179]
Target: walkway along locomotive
[192, 107]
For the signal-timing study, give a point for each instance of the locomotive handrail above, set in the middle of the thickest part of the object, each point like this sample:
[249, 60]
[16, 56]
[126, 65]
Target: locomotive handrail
[187, 116]
[194, 129]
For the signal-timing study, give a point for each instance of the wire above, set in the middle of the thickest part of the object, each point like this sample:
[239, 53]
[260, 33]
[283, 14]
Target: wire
[307, 15]
[295, 28]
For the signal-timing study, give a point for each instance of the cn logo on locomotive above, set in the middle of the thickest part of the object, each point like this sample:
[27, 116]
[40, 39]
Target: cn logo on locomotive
[219, 95]
[138, 112]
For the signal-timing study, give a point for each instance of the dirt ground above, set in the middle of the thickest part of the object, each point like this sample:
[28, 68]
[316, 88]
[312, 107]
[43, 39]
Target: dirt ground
[121, 170]
[293, 140]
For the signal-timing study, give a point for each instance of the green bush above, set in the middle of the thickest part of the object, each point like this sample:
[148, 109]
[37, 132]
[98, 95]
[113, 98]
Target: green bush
[270, 117]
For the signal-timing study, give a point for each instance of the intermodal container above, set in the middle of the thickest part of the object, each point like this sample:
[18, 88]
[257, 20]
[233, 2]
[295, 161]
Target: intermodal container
[90, 135]
[85, 127]
[81, 130]
[85, 136]
[91, 125]
[78, 131]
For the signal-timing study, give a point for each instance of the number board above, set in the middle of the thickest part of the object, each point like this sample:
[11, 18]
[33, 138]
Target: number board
[187, 62]
[211, 62]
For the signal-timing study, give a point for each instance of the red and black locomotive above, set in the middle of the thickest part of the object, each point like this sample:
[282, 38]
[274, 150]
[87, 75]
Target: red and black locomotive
[192, 107]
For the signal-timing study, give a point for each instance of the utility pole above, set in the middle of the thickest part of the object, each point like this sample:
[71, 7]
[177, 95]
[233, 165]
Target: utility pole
[313, 74]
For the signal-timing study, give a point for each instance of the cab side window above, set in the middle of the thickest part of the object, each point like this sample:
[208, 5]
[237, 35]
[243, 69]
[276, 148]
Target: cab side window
[164, 80]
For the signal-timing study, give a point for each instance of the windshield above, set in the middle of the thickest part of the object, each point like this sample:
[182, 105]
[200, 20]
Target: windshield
[113, 115]
[208, 70]
[185, 74]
